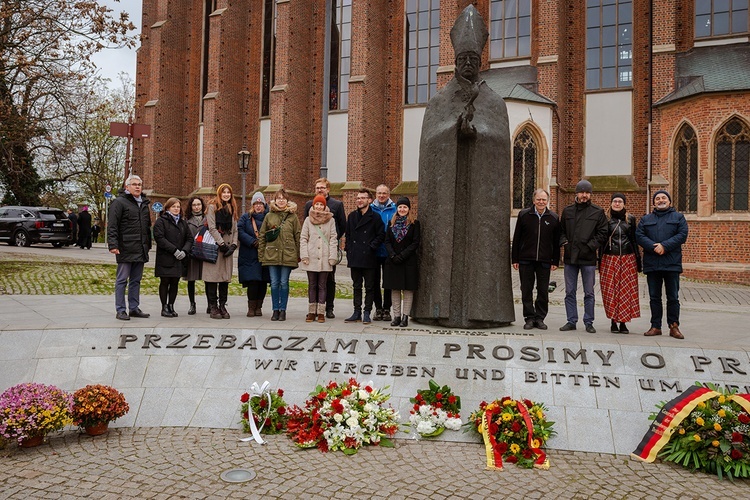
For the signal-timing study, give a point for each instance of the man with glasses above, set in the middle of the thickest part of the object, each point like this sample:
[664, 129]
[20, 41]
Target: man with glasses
[129, 239]
[364, 234]
[323, 188]
[385, 208]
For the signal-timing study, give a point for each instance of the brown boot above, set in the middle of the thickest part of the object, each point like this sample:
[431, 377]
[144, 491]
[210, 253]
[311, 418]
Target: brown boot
[258, 307]
[215, 313]
[652, 332]
[321, 318]
[311, 312]
[674, 331]
[251, 305]
[223, 311]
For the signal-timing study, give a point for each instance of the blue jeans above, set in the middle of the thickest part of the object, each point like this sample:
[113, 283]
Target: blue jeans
[671, 281]
[129, 276]
[588, 277]
[279, 286]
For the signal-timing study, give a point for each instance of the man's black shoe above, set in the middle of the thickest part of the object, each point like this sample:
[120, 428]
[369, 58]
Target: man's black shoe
[123, 316]
[590, 328]
[529, 324]
[540, 324]
[137, 313]
[567, 327]
[329, 314]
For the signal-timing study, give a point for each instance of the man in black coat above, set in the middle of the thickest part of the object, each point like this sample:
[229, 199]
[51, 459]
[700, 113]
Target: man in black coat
[323, 188]
[129, 238]
[535, 254]
[364, 234]
[73, 218]
[584, 229]
[84, 228]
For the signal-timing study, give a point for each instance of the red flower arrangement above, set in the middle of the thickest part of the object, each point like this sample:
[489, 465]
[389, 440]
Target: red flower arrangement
[268, 420]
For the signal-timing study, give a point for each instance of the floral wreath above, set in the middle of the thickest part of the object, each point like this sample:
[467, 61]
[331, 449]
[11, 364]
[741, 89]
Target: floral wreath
[435, 409]
[343, 417]
[515, 430]
[263, 412]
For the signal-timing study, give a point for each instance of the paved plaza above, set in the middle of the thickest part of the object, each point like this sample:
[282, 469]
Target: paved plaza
[179, 462]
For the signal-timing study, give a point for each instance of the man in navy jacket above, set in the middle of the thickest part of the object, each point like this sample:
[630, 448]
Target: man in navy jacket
[662, 234]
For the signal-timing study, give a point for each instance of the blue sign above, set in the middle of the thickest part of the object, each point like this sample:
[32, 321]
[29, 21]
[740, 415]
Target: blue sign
[108, 195]
[157, 207]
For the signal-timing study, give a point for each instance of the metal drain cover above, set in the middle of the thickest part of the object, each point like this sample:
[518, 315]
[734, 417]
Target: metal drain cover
[238, 475]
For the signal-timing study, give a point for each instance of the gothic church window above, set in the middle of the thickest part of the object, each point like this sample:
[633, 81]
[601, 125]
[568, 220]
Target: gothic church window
[422, 49]
[732, 161]
[609, 44]
[685, 174]
[525, 153]
[720, 18]
[510, 28]
[341, 53]
[269, 54]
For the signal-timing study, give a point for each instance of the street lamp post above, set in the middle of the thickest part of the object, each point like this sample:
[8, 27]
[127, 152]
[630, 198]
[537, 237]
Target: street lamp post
[243, 158]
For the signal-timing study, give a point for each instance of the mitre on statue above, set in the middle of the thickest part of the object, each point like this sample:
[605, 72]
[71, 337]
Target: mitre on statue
[469, 34]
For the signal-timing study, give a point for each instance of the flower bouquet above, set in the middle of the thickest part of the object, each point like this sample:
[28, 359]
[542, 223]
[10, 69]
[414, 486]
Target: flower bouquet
[269, 418]
[343, 417]
[514, 430]
[435, 409]
[31, 410]
[95, 405]
[704, 428]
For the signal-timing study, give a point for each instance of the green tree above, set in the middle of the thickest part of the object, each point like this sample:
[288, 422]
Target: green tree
[45, 50]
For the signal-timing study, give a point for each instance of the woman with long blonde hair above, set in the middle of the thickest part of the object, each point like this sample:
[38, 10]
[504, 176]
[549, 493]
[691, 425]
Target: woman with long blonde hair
[221, 218]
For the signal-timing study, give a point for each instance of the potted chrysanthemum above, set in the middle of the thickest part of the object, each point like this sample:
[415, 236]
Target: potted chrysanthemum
[95, 406]
[30, 411]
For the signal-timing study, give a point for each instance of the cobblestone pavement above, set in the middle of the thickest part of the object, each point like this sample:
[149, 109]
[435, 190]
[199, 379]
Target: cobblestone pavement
[165, 463]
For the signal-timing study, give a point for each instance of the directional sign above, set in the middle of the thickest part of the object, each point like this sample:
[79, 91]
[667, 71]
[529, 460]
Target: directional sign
[108, 195]
[157, 207]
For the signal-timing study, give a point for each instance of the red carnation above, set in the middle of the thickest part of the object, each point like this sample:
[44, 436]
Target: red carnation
[280, 392]
[438, 405]
[332, 385]
[439, 396]
[736, 437]
[502, 447]
[528, 403]
[416, 407]
[735, 454]
[506, 398]
[512, 459]
[263, 403]
[419, 397]
[281, 410]
[744, 418]
[322, 395]
[245, 398]
[346, 392]
[515, 427]
[267, 422]
[452, 399]
[368, 388]
[526, 453]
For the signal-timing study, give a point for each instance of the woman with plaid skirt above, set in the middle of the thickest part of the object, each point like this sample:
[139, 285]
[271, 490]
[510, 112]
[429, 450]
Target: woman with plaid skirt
[619, 267]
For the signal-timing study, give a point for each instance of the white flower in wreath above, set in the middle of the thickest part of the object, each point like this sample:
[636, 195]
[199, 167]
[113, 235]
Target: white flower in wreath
[364, 395]
[369, 407]
[338, 417]
[425, 427]
[354, 413]
[453, 424]
[352, 422]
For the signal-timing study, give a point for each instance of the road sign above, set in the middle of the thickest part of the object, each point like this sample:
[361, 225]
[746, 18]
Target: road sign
[108, 188]
[108, 195]
[157, 207]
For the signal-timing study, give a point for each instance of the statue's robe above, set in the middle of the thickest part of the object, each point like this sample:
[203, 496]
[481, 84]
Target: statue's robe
[464, 212]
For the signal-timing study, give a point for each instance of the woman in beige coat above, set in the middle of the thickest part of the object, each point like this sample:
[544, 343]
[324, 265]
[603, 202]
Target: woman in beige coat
[222, 224]
[278, 249]
[317, 250]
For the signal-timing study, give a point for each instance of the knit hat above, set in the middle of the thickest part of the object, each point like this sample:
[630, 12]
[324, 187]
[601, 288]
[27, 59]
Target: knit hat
[319, 199]
[584, 186]
[221, 188]
[662, 191]
[403, 201]
[258, 198]
[619, 195]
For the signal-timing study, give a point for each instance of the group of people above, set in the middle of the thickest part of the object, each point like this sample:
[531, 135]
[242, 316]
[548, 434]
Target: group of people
[381, 238]
[83, 232]
[593, 239]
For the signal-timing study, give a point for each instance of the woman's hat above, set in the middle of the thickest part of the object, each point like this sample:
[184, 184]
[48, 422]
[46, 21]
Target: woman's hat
[258, 198]
[619, 195]
[320, 199]
[403, 201]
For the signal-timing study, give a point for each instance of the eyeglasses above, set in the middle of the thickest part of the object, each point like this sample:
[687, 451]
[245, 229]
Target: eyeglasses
[135, 184]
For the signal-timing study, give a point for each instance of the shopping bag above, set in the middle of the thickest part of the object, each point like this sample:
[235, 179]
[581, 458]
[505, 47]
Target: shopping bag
[205, 247]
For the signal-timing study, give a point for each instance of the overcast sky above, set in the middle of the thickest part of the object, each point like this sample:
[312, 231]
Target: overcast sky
[113, 61]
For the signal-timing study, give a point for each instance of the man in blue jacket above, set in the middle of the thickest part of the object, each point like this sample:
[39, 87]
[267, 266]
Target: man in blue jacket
[662, 234]
[385, 208]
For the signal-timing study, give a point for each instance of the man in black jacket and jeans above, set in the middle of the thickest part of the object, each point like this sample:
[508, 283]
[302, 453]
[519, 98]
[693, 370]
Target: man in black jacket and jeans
[535, 254]
[323, 188]
[584, 229]
[364, 234]
[129, 238]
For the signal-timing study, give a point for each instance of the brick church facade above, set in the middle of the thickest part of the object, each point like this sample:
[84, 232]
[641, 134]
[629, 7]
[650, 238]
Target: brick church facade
[634, 95]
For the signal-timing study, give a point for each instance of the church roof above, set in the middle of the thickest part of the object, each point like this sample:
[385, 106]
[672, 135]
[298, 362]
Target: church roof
[517, 83]
[722, 68]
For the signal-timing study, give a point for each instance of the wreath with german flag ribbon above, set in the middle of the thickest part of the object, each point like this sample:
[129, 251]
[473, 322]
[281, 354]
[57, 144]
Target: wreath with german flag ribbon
[513, 430]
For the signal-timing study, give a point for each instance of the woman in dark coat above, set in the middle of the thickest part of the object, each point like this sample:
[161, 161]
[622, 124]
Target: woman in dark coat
[195, 216]
[173, 243]
[401, 271]
[252, 274]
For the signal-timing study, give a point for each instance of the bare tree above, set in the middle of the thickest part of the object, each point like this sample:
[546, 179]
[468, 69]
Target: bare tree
[45, 50]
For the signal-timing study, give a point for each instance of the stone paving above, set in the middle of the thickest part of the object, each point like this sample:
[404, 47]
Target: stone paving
[164, 463]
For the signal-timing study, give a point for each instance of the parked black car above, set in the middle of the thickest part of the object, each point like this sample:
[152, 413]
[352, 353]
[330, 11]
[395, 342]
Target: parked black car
[23, 226]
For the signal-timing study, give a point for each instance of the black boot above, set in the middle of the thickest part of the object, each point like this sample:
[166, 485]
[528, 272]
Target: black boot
[282, 315]
[165, 311]
[275, 315]
[191, 311]
[404, 321]
[614, 328]
[355, 317]
[171, 310]
[396, 321]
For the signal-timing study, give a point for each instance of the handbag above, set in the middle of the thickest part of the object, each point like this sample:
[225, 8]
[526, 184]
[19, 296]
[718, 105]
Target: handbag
[273, 233]
[205, 247]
